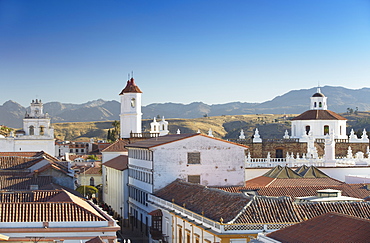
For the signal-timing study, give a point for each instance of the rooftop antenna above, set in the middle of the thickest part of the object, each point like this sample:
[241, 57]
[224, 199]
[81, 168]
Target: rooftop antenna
[128, 76]
[132, 74]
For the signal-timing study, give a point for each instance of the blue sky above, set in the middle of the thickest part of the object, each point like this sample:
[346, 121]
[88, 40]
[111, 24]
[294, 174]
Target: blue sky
[215, 51]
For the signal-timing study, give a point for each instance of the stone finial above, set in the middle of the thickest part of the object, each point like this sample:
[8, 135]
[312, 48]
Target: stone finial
[256, 137]
[364, 136]
[241, 136]
[349, 153]
[286, 135]
[178, 131]
[210, 132]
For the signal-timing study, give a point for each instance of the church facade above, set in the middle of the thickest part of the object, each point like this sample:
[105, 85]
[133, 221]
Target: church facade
[37, 133]
[310, 127]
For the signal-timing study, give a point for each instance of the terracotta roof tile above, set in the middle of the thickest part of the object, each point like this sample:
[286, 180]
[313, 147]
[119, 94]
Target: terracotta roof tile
[131, 87]
[117, 146]
[118, 163]
[255, 209]
[45, 206]
[153, 142]
[330, 227]
[93, 171]
[319, 115]
[21, 181]
[218, 204]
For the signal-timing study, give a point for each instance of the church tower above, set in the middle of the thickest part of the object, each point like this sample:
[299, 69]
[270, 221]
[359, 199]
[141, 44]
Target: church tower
[36, 123]
[130, 116]
[318, 101]
[318, 122]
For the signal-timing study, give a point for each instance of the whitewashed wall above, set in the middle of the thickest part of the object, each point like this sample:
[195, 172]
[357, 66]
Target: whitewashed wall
[222, 163]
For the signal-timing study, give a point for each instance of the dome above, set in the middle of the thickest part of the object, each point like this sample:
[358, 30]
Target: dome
[318, 95]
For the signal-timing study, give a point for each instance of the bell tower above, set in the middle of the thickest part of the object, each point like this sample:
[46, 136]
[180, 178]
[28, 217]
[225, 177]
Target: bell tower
[130, 116]
[36, 123]
[318, 101]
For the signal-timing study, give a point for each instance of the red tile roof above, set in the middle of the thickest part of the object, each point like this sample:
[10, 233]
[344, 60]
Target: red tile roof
[214, 203]
[118, 163]
[241, 209]
[93, 171]
[153, 142]
[319, 115]
[117, 146]
[131, 87]
[21, 181]
[330, 227]
[44, 206]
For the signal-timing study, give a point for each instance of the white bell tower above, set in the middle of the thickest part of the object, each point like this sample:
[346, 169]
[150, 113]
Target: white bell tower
[318, 101]
[36, 123]
[130, 116]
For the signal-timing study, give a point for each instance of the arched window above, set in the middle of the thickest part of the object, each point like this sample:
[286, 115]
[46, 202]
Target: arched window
[32, 130]
[308, 128]
[314, 104]
[42, 130]
[340, 130]
[320, 104]
[133, 102]
[92, 181]
[326, 129]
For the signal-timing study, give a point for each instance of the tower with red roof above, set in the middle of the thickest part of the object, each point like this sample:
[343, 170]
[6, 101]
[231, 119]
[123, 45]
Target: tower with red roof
[130, 115]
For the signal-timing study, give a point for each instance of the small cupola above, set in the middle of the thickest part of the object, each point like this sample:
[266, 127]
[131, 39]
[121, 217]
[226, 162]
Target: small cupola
[318, 101]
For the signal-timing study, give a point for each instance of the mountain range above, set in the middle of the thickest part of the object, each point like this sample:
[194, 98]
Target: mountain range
[292, 102]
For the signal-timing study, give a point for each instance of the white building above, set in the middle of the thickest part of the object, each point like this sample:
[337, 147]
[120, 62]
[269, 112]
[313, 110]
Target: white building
[197, 158]
[37, 133]
[130, 116]
[115, 177]
[319, 121]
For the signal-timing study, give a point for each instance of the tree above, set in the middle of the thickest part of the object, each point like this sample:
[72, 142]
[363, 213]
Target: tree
[93, 157]
[87, 190]
[115, 131]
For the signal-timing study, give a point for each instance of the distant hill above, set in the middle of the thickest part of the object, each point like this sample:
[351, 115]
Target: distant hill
[227, 127]
[292, 102]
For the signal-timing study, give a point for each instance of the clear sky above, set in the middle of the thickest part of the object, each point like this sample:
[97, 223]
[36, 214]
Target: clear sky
[215, 51]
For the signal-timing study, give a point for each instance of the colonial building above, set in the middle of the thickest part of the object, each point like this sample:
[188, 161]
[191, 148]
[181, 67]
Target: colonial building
[37, 133]
[319, 121]
[187, 212]
[308, 133]
[154, 163]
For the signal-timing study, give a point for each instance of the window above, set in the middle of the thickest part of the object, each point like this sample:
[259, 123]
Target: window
[340, 130]
[180, 235]
[194, 158]
[42, 130]
[194, 179]
[279, 153]
[196, 238]
[92, 181]
[314, 104]
[71, 150]
[188, 236]
[320, 104]
[32, 130]
[326, 129]
[308, 128]
[133, 102]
